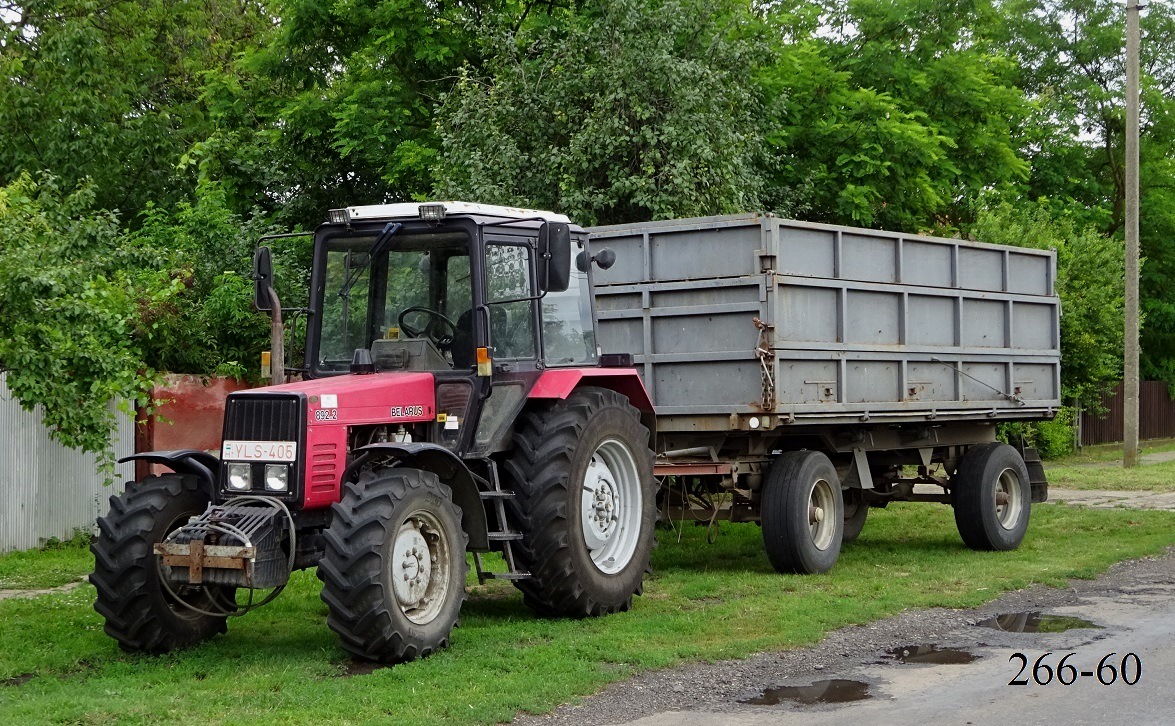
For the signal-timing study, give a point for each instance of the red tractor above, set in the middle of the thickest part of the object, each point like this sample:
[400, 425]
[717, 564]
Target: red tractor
[453, 399]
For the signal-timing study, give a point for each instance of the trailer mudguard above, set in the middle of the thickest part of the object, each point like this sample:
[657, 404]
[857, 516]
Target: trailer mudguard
[199, 464]
[448, 468]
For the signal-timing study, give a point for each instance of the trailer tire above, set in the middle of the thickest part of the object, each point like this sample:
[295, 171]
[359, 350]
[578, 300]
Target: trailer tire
[139, 612]
[393, 569]
[987, 473]
[856, 512]
[575, 464]
[800, 534]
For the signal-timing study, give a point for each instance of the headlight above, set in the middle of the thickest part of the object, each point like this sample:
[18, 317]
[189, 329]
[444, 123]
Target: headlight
[240, 477]
[277, 477]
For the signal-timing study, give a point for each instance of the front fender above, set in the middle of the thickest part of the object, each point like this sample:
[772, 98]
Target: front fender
[448, 467]
[199, 464]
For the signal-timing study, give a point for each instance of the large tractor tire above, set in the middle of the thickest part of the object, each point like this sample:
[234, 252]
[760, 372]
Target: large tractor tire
[140, 612]
[394, 567]
[992, 496]
[802, 513]
[585, 500]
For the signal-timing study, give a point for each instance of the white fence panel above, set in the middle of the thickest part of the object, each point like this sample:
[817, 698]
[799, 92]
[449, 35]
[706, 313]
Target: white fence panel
[47, 489]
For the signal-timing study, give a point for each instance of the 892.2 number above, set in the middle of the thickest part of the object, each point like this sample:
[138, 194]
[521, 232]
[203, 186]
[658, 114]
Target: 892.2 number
[1108, 671]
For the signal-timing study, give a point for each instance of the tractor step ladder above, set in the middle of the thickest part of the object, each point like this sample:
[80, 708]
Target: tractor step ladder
[496, 494]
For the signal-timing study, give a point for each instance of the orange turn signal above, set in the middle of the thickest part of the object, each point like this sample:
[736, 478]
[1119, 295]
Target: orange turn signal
[485, 365]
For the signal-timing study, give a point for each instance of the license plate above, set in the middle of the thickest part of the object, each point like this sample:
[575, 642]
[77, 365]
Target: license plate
[259, 451]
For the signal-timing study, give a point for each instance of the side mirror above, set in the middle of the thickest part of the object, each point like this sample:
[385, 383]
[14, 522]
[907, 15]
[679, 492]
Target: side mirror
[604, 259]
[554, 251]
[262, 279]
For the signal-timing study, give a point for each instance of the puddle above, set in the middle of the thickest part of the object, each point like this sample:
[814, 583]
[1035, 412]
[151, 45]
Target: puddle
[1035, 622]
[832, 691]
[930, 654]
[362, 668]
[16, 680]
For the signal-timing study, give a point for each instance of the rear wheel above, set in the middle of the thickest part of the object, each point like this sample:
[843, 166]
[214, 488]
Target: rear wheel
[992, 497]
[582, 473]
[856, 511]
[802, 513]
[394, 567]
[141, 613]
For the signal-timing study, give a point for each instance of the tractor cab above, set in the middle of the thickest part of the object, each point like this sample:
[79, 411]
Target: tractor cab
[423, 287]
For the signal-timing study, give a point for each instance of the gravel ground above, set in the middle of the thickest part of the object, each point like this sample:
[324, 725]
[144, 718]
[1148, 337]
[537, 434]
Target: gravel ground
[718, 687]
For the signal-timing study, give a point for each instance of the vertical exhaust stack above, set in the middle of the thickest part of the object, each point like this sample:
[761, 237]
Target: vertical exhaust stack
[265, 298]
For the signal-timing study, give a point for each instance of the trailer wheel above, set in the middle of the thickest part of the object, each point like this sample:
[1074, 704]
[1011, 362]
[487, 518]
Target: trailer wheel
[992, 497]
[585, 496]
[802, 513]
[856, 511]
[140, 613]
[393, 569]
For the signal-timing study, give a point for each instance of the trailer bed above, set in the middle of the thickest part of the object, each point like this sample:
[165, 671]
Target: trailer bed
[754, 315]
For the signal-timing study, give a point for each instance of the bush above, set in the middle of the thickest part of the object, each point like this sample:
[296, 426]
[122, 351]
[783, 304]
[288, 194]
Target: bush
[1052, 439]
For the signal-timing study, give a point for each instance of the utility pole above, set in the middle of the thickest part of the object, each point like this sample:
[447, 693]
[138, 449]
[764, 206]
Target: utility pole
[1130, 352]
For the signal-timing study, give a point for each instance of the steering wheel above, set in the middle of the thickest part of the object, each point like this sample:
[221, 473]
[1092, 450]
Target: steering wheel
[434, 328]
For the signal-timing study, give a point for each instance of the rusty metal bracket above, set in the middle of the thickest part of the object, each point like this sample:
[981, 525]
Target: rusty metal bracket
[195, 556]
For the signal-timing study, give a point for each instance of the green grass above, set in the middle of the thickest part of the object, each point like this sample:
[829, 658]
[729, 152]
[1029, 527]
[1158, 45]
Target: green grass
[1145, 477]
[1100, 467]
[1108, 453]
[55, 564]
[282, 665]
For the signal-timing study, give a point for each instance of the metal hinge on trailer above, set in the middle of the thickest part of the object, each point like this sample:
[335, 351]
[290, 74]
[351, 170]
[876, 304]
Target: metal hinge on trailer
[496, 494]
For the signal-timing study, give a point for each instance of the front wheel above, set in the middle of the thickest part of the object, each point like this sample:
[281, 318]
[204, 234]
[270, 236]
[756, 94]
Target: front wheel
[585, 496]
[992, 496]
[393, 570]
[142, 613]
[802, 513]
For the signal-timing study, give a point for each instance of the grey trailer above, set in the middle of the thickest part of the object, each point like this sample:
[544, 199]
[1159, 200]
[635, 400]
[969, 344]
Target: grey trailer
[809, 370]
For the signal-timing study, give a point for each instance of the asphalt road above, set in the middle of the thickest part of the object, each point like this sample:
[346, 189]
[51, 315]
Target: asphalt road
[1131, 610]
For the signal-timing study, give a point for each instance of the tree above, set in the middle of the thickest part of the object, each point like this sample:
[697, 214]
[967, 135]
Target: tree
[337, 109]
[1070, 56]
[111, 92]
[67, 308]
[625, 111]
[893, 114]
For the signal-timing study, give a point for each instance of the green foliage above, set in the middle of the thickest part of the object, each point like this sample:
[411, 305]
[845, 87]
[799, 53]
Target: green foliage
[1089, 282]
[111, 92]
[67, 310]
[893, 114]
[336, 109]
[1071, 61]
[1052, 439]
[628, 110]
[209, 325]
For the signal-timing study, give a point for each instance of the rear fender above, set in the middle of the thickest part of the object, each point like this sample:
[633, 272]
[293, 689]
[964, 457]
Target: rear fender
[559, 383]
[448, 468]
[195, 462]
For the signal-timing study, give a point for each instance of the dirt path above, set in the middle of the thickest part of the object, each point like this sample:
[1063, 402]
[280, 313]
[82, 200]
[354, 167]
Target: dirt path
[13, 594]
[1130, 609]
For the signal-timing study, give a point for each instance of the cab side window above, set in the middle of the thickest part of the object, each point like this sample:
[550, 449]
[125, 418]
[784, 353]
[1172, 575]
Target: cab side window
[508, 277]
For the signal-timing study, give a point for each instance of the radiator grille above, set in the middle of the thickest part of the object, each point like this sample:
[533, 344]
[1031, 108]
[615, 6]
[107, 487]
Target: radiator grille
[268, 418]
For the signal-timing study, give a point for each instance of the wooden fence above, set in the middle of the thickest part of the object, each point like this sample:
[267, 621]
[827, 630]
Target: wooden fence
[1156, 415]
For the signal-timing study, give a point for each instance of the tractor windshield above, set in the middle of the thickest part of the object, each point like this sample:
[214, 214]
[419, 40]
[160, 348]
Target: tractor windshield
[403, 296]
